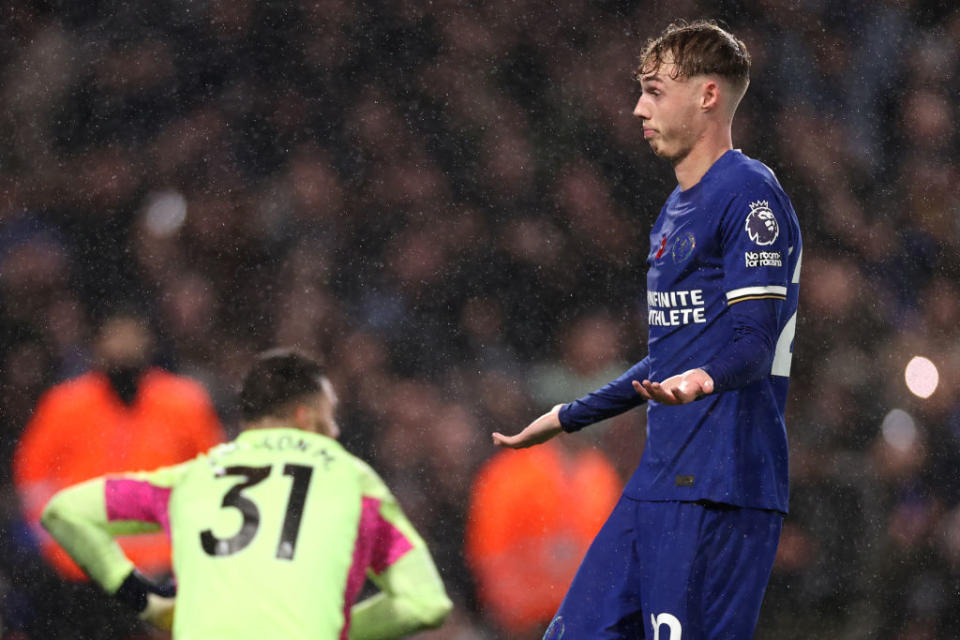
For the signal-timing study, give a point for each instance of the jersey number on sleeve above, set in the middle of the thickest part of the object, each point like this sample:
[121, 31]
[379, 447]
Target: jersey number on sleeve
[235, 499]
[783, 354]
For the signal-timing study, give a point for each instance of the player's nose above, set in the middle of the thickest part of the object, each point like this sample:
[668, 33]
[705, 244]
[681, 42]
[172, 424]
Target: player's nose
[640, 110]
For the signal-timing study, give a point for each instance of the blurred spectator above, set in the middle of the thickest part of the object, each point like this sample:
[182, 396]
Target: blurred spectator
[589, 358]
[532, 515]
[124, 415]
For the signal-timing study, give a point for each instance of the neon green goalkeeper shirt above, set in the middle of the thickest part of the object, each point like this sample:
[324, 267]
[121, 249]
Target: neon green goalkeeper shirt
[273, 536]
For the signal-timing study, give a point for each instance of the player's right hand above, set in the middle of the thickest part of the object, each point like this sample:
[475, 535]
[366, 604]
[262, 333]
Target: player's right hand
[537, 432]
[680, 389]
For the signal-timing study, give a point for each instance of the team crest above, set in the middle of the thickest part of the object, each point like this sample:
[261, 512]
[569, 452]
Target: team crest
[683, 247]
[555, 630]
[761, 224]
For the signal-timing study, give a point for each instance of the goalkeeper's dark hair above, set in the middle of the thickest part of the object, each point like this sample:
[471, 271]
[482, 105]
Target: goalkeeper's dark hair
[278, 379]
[697, 48]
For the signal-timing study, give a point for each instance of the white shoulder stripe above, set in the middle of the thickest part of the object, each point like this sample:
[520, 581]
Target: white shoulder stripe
[757, 291]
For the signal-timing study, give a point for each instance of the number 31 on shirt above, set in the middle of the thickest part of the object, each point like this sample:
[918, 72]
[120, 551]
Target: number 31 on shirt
[235, 499]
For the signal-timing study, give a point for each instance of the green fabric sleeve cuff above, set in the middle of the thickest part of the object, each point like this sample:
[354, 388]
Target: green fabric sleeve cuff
[77, 519]
[412, 598]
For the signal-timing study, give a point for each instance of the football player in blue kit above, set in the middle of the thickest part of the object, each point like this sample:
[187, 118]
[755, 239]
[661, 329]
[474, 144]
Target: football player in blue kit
[687, 552]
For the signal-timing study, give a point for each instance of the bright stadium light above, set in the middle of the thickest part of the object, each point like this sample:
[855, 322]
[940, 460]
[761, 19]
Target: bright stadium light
[921, 376]
[165, 213]
[899, 429]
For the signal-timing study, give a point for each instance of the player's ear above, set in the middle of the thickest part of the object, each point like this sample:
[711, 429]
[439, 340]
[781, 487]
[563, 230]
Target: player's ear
[331, 428]
[301, 416]
[709, 95]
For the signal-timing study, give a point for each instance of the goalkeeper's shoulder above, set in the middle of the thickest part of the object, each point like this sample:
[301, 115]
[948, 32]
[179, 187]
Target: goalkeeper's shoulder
[371, 484]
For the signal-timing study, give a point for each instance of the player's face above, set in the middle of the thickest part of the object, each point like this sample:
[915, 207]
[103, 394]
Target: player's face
[670, 111]
[318, 413]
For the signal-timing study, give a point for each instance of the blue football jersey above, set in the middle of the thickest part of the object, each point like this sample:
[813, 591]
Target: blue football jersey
[732, 237]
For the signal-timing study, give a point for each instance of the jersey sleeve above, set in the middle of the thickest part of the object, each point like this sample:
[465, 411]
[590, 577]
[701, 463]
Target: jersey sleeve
[749, 354]
[610, 400]
[412, 596]
[755, 237]
[85, 518]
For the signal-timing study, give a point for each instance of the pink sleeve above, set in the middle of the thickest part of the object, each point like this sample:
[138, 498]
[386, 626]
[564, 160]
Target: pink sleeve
[379, 544]
[387, 544]
[128, 499]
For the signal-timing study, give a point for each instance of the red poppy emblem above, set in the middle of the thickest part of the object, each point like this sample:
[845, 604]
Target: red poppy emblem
[663, 246]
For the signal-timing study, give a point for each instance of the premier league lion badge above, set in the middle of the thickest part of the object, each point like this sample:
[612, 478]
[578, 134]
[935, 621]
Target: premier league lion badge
[761, 224]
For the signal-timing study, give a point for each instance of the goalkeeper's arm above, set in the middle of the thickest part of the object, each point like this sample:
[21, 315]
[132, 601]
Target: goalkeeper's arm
[411, 599]
[77, 519]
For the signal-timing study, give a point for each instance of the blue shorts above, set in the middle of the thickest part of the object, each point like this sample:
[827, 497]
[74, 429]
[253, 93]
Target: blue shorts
[671, 570]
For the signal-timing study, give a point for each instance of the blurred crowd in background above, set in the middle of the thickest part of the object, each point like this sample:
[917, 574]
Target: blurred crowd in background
[450, 202]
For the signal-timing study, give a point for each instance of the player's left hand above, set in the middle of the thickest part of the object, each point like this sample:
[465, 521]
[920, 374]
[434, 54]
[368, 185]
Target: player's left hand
[680, 389]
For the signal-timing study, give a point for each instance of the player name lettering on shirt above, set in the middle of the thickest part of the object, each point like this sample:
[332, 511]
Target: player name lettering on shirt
[676, 308]
[293, 443]
[283, 443]
[762, 259]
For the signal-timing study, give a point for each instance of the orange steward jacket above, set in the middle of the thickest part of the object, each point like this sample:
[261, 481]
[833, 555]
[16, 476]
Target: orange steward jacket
[533, 513]
[81, 429]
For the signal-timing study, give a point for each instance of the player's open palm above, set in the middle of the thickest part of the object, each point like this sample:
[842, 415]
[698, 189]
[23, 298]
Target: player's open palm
[680, 389]
[539, 431]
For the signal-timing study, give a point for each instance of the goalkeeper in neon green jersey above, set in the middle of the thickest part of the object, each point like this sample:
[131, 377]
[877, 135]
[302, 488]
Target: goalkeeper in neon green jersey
[273, 534]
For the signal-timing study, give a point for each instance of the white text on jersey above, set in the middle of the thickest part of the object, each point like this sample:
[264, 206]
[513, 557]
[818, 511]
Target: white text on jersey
[676, 308]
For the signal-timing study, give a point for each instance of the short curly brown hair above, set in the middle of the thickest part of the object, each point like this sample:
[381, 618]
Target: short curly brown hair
[697, 48]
